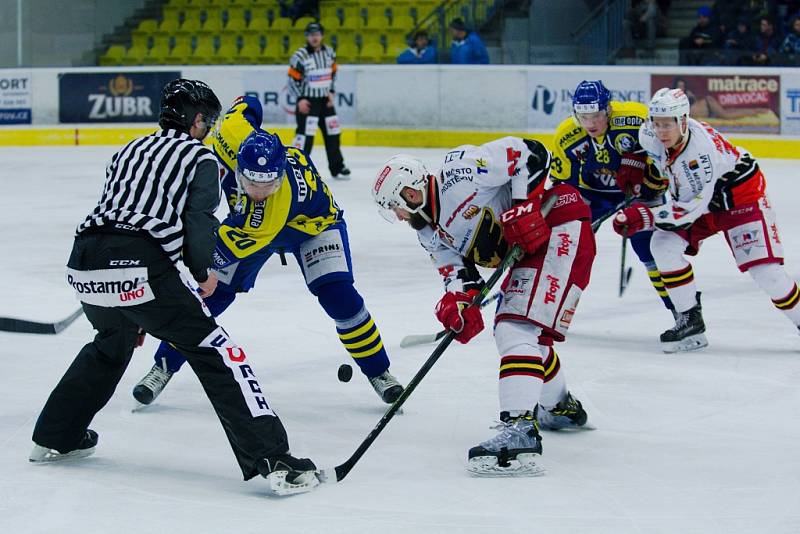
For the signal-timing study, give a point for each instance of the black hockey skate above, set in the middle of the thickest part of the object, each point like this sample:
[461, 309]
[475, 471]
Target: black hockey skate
[288, 475]
[343, 174]
[567, 414]
[688, 332]
[510, 453]
[386, 386]
[153, 383]
[85, 448]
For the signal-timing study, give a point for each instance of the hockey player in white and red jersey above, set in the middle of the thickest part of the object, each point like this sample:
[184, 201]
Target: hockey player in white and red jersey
[713, 187]
[485, 199]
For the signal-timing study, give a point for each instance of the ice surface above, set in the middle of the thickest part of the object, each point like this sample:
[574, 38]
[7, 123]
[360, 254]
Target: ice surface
[701, 442]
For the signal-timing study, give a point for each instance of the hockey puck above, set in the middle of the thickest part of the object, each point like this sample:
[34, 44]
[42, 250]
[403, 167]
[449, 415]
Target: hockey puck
[345, 372]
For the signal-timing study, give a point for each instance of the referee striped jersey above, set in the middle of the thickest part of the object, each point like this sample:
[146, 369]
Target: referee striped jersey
[312, 73]
[146, 188]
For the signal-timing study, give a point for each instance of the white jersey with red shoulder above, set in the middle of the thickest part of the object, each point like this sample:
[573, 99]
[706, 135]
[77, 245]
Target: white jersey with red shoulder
[707, 174]
[475, 186]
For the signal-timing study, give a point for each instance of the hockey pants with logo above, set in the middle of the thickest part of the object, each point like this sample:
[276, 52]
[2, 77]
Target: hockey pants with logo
[323, 117]
[175, 315]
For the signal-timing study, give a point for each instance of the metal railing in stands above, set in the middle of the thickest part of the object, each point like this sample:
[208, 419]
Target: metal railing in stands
[599, 37]
[474, 13]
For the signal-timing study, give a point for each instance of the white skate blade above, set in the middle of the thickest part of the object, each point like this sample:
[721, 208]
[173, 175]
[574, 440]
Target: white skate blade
[302, 484]
[523, 466]
[41, 455]
[571, 428]
[687, 344]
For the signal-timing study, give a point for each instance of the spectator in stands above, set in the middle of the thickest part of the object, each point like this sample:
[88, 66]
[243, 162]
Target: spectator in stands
[422, 53]
[299, 8]
[696, 49]
[739, 44]
[791, 44]
[767, 43]
[467, 47]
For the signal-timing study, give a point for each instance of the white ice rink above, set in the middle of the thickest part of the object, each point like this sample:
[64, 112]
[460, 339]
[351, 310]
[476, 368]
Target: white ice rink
[693, 443]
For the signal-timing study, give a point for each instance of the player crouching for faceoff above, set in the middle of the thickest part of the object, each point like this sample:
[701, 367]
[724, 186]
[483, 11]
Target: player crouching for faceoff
[713, 186]
[278, 203]
[457, 216]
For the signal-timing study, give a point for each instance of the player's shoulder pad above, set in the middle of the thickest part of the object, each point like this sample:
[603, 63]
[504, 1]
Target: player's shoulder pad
[464, 162]
[568, 132]
[627, 115]
[250, 108]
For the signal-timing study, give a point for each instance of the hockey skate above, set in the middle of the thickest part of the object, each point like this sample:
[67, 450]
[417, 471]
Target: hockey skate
[152, 384]
[510, 453]
[85, 448]
[288, 475]
[343, 174]
[688, 332]
[386, 386]
[566, 415]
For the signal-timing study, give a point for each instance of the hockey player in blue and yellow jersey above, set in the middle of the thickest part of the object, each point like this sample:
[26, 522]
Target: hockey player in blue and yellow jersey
[597, 151]
[278, 204]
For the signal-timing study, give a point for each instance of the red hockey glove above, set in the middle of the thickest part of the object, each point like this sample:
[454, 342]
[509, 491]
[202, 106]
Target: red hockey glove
[634, 219]
[631, 173]
[524, 225]
[454, 312]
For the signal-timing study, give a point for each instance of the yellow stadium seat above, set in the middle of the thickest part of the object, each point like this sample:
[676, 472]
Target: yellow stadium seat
[169, 25]
[370, 53]
[113, 56]
[301, 23]
[404, 22]
[206, 50]
[213, 23]
[139, 41]
[281, 23]
[180, 3]
[190, 25]
[347, 52]
[259, 24]
[147, 26]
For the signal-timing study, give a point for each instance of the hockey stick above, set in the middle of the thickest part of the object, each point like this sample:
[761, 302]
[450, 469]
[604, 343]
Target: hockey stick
[423, 339]
[337, 474]
[596, 223]
[625, 274]
[22, 326]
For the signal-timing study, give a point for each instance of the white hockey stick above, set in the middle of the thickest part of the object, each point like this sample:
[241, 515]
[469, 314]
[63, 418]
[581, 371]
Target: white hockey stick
[424, 339]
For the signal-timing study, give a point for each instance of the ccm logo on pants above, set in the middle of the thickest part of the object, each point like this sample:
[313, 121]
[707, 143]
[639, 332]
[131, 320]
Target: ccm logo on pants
[234, 357]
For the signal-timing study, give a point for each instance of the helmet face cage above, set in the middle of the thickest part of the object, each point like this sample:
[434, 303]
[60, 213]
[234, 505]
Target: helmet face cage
[261, 160]
[398, 173]
[590, 97]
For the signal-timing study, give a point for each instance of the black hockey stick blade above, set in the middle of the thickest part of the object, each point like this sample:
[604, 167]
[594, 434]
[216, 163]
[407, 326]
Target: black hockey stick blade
[337, 474]
[22, 326]
[423, 339]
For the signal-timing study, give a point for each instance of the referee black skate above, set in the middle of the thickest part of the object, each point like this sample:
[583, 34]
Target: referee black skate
[312, 73]
[157, 208]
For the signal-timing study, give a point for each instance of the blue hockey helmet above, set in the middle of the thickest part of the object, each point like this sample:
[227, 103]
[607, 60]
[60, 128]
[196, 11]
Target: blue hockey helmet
[261, 161]
[590, 97]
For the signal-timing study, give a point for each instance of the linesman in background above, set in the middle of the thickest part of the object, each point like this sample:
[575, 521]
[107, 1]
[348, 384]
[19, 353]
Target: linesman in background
[312, 73]
[157, 207]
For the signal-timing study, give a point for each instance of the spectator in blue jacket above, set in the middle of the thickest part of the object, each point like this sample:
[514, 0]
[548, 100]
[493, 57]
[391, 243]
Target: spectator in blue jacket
[422, 53]
[791, 44]
[467, 47]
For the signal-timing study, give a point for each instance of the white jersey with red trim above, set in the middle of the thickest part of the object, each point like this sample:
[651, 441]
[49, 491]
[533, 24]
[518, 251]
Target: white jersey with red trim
[694, 173]
[475, 185]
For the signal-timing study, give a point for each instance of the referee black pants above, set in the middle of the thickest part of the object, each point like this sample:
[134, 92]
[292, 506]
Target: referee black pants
[320, 110]
[176, 315]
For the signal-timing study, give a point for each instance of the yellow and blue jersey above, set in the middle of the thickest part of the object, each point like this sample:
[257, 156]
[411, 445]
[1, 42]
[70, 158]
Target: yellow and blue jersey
[592, 164]
[301, 208]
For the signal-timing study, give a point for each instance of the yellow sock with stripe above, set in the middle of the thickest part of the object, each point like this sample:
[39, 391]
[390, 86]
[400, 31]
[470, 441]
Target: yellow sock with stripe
[658, 284]
[362, 339]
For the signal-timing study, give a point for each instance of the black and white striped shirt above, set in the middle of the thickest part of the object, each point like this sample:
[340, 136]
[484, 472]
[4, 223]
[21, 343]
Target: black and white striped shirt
[147, 186]
[312, 74]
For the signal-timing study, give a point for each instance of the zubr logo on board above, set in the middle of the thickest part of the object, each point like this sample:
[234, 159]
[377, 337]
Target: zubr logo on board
[111, 97]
